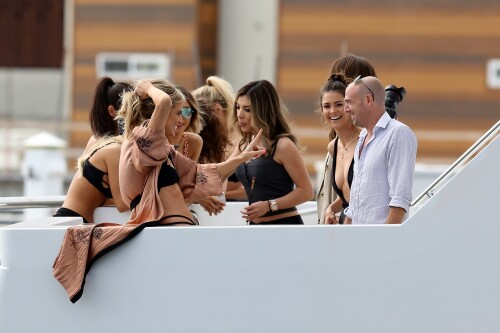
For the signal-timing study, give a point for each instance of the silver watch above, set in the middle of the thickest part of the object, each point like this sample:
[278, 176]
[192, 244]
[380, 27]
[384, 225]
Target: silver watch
[273, 204]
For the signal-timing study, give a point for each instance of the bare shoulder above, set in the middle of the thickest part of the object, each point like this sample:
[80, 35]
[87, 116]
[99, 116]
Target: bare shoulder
[331, 145]
[286, 150]
[285, 143]
[193, 138]
[111, 151]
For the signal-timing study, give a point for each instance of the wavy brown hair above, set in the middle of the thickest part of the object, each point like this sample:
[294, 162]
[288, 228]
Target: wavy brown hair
[215, 135]
[268, 113]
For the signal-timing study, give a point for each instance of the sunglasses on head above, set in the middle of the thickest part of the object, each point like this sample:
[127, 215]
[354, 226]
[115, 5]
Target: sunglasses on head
[360, 79]
[187, 112]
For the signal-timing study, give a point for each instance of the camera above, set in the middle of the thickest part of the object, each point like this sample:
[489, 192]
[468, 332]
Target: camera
[393, 96]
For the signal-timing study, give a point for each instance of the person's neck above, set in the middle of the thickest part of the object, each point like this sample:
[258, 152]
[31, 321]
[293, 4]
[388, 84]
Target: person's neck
[374, 122]
[176, 139]
[347, 134]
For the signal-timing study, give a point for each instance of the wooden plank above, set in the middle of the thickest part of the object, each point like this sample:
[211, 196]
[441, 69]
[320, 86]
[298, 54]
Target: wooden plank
[162, 37]
[134, 2]
[348, 22]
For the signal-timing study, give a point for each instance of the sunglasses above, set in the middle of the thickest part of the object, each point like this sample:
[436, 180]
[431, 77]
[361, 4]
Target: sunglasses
[187, 112]
[359, 79]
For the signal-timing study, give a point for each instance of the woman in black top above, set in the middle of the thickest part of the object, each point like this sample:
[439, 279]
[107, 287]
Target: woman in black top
[341, 147]
[278, 181]
[107, 101]
[96, 181]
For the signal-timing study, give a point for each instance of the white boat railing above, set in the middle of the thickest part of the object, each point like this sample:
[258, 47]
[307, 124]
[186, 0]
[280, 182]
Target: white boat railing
[9, 203]
[449, 173]
[230, 216]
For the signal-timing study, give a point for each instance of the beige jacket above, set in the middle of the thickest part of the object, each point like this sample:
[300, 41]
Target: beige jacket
[326, 195]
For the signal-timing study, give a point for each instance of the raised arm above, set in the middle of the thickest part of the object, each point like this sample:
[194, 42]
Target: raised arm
[161, 100]
[227, 167]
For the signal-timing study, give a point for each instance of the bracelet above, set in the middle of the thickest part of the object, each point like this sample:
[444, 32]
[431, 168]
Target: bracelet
[269, 204]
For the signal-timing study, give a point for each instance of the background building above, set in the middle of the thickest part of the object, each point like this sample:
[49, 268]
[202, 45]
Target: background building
[437, 50]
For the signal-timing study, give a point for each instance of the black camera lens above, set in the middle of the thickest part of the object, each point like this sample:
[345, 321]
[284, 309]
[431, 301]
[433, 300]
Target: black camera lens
[393, 96]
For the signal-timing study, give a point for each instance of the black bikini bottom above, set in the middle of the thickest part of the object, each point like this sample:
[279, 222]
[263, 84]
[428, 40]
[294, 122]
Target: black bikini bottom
[190, 222]
[68, 212]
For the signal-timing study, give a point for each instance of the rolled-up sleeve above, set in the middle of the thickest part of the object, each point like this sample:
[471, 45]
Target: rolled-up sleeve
[401, 167]
[149, 147]
[197, 181]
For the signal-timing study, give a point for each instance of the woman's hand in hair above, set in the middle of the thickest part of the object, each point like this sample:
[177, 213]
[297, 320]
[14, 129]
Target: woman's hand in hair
[141, 89]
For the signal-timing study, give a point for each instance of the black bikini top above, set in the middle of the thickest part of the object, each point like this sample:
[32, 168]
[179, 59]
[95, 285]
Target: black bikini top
[168, 175]
[96, 176]
[350, 175]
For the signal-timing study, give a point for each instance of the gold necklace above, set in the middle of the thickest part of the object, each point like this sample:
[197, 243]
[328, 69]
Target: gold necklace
[346, 146]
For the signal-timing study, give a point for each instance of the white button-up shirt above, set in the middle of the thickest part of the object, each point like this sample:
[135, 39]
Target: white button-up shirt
[383, 174]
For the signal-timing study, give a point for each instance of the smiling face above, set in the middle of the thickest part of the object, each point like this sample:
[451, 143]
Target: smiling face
[244, 114]
[332, 108]
[354, 105]
[174, 118]
[183, 122]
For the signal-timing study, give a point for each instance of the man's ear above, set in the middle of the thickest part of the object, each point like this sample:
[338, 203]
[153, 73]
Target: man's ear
[112, 111]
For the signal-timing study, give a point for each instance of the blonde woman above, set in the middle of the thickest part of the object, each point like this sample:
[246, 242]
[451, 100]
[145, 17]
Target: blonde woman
[219, 96]
[218, 99]
[187, 139]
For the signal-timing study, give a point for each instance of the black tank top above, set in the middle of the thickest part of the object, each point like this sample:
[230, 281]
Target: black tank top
[265, 179]
[96, 176]
[350, 175]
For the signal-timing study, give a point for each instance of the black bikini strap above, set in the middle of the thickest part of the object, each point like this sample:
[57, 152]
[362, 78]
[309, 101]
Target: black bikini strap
[135, 201]
[176, 215]
[99, 148]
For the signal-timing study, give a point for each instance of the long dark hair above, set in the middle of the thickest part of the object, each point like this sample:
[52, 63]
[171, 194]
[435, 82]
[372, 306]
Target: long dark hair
[268, 113]
[336, 82]
[106, 93]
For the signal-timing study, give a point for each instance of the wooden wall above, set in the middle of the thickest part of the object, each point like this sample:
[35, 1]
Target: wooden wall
[437, 50]
[135, 26]
[31, 33]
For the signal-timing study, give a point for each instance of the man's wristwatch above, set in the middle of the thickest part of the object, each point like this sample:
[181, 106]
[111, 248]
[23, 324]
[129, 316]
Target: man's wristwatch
[273, 205]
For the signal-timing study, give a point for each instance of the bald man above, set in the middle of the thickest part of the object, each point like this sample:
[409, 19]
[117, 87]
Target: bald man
[384, 159]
